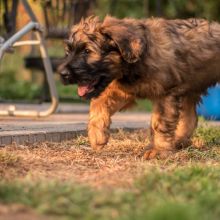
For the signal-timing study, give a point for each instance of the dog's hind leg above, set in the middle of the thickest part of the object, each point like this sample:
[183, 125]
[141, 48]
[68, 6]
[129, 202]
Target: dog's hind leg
[102, 108]
[166, 113]
[187, 123]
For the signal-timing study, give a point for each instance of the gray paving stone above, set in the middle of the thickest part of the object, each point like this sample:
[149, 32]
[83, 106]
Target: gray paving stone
[63, 125]
[6, 140]
[20, 139]
[33, 138]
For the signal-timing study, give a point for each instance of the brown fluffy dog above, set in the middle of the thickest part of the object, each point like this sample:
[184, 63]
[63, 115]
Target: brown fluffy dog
[170, 62]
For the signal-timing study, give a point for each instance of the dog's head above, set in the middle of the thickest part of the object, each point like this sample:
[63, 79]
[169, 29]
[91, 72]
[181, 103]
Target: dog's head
[97, 53]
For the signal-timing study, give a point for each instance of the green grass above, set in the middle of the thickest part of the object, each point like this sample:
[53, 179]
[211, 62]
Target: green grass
[13, 89]
[207, 134]
[68, 91]
[13, 86]
[143, 105]
[183, 193]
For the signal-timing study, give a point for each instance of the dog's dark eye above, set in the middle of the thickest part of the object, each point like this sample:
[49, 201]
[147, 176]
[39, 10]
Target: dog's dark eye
[87, 51]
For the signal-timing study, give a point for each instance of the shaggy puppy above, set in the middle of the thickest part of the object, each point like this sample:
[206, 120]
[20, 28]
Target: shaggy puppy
[170, 62]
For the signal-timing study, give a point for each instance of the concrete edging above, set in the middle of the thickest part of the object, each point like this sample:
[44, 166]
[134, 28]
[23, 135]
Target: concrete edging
[56, 135]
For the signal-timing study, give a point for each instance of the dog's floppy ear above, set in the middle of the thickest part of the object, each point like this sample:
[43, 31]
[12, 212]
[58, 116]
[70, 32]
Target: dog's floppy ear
[126, 35]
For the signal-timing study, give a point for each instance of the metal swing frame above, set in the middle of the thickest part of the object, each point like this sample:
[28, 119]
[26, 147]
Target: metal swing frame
[13, 41]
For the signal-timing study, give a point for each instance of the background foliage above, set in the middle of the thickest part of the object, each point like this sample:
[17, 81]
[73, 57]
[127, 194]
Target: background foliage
[30, 87]
[166, 8]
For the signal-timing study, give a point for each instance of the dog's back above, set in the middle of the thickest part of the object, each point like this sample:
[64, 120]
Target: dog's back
[191, 47]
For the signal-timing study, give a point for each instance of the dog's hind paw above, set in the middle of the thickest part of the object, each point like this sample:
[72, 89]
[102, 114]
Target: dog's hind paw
[155, 153]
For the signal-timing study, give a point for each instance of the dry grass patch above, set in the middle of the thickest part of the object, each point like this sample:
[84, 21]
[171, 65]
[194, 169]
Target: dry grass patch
[117, 165]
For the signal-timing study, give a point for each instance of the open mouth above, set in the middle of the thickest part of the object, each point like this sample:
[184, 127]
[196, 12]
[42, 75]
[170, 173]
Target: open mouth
[85, 89]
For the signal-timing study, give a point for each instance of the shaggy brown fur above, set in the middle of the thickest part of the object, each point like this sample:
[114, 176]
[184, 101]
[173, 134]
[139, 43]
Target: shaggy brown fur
[170, 62]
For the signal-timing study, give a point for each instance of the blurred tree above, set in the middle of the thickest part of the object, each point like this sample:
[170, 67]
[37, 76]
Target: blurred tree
[167, 8]
[146, 8]
[193, 8]
[158, 7]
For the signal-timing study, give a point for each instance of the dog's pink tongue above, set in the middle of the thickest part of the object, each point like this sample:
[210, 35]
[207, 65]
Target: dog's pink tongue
[82, 90]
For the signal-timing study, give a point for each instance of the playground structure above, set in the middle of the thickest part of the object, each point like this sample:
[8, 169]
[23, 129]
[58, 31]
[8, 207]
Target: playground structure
[13, 41]
[55, 13]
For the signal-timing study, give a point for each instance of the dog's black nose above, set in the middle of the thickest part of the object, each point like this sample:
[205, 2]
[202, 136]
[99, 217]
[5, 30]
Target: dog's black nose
[65, 75]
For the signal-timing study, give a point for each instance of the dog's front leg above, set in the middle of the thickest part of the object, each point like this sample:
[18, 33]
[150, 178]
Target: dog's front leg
[164, 122]
[102, 108]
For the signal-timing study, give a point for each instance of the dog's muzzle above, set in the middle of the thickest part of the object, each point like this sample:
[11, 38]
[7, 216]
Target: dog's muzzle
[65, 74]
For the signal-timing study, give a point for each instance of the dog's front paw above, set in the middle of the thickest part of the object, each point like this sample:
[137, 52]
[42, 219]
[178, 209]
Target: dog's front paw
[155, 153]
[98, 138]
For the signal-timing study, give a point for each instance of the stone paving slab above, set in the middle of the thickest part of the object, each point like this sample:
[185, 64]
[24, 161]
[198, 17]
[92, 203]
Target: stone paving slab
[69, 121]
